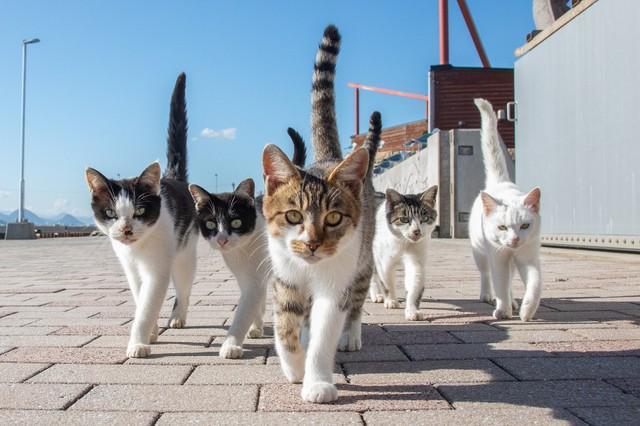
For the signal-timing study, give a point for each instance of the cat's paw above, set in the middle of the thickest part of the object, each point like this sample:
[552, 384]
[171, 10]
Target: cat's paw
[514, 305]
[527, 311]
[230, 351]
[176, 322]
[414, 316]
[378, 298]
[499, 314]
[255, 332]
[391, 303]
[138, 351]
[319, 392]
[349, 342]
[487, 298]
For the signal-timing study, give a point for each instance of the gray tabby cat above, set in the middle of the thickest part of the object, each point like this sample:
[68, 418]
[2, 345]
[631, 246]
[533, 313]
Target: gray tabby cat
[320, 226]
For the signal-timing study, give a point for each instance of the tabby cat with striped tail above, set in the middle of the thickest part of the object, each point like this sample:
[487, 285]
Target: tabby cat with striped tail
[320, 226]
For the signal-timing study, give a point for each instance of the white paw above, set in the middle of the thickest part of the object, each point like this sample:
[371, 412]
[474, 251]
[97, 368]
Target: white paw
[378, 298]
[414, 316]
[500, 314]
[487, 298]
[176, 322]
[514, 305]
[527, 311]
[138, 351]
[391, 304]
[349, 342]
[255, 332]
[230, 351]
[319, 392]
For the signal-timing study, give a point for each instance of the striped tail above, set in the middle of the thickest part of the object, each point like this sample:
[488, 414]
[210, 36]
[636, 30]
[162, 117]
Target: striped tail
[324, 131]
[372, 142]
[299, 149]
[493, 155]
[177, 133]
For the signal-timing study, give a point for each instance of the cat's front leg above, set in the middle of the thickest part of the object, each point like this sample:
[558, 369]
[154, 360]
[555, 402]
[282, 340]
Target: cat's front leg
[376, 293]
[184, 271]
[388, 278]
[415, 276]
[500, 278]
[248, 307]
[529, 269]
[289, 303]
[155, 282]
[327, 316]
[257, 327]
[486, 291]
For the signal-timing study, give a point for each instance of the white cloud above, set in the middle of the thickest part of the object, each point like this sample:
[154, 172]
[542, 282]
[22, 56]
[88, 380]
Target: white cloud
[60, 205]
[229, 134]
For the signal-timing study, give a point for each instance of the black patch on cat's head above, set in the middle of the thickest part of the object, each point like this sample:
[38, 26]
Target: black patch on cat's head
[421, 206]
[143, 191]
[224, 208]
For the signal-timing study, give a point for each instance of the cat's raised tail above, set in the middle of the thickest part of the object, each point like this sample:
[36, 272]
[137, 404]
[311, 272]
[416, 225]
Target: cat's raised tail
[177, 133]
[372, 142]
[324, 131]
[495, 164]
[299, 148]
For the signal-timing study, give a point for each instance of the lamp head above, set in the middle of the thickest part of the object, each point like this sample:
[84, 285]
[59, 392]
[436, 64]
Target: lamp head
[31, 41]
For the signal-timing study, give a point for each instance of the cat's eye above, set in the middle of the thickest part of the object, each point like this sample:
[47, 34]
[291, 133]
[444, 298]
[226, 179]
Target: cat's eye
[139, 211]
[502, 227]
[524, 226]
[404, 220]
[236, 223]
[210, 225]
[333, 218]
[294, 217]
[110, 213]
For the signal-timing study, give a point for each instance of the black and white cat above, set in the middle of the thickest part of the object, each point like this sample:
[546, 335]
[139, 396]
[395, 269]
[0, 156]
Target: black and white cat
[151, 223]
[233, 224]
[404, 223]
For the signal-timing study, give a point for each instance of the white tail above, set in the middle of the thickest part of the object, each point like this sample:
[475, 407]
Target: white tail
[493, 155]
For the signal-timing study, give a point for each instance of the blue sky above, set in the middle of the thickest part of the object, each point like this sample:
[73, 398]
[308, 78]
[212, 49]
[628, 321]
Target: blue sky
[99, 82]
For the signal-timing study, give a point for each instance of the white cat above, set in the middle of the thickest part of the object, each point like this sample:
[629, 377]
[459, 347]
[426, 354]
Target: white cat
[504, 229]
[403, 229]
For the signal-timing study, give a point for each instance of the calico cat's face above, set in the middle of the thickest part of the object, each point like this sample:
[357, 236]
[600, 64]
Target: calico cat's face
[410, 216]
[511, 224]
[226, 220]
[126, 209]
[312, 218]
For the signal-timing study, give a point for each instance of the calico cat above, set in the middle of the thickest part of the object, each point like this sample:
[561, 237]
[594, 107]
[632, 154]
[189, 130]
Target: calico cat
[320, 225]
[403, 229]
[232, 223]
[150, 221]
[504, 229]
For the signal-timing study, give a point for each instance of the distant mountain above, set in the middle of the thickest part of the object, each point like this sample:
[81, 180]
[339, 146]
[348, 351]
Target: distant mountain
[65, 219]
[29, 215]
[68, 220]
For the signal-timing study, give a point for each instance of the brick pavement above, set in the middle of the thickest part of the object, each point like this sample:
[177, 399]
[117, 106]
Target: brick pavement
[65, 312]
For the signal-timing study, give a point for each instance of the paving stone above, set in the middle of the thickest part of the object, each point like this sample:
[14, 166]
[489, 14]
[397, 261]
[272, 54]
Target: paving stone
[533, 416]
[372, 353]
[122, 341]
[112, 374]
[94, 330]
[473, 351]
[75, 418]
[422, 327]
[600, 334]
[243, 374]
[30, 340]
[263, 419]
[17, 372]
[354, 398]
[601, 416]
[592, 348]
[532, 336]
[574, 393]
[168, 398]
[172, 355]
[59, 355]
[630, 386]
[571, 368]
[38, 396]
[425, 372]
[196, 331]
[27, 331]
[68, 322]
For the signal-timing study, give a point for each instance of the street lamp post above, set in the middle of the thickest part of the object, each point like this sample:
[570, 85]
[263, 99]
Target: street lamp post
[216, 182]
[24, 87]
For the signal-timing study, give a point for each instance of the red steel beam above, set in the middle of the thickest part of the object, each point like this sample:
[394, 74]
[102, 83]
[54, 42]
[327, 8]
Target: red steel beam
[389, 91]
[357, 103]
[443, 19]
[466, 14]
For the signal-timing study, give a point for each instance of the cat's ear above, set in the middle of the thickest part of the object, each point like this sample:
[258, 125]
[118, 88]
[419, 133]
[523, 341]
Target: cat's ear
[199, 195]
[150, 177]
[428, 197]
[489, 204]
[352, 170]
[532, 200]
[393, 196]
[246, 187]
[277, 168]
[96, 181]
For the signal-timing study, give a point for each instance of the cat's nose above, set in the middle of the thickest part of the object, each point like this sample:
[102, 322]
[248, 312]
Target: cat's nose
[417, 232]
[515, 240]
[127, 230]
[222, 242]
[312, 245]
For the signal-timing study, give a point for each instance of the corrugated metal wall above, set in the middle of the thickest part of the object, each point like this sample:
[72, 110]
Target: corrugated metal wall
[451, 94]
[578, 107]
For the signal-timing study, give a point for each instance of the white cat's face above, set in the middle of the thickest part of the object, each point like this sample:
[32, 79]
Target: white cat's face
[511, 224]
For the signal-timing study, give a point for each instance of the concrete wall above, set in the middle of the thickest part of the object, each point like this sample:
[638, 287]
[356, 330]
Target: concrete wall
[578, 105]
